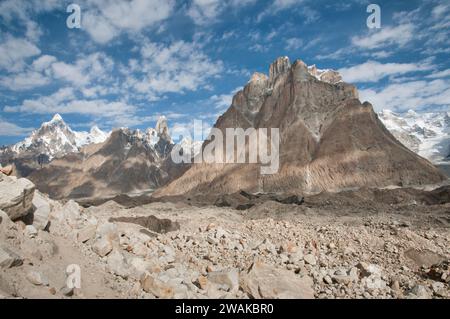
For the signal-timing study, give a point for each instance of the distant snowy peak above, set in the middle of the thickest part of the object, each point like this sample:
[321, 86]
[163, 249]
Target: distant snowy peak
[427, 134]
[55, 139]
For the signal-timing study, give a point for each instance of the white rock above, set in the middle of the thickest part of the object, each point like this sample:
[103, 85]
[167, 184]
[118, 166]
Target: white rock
[227, 278]
[156, 287]
[421, 292]
[262, 281]
[118, 265]
[102, 247]
[31, 231]
[16, 196]
[41, 212]
[9, 258]
[36, 278]
[86, 233]
[108, 230]
[310, 259]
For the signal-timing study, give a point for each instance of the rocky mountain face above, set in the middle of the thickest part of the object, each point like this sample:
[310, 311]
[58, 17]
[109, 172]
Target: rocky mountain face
[128, 161]
[329, 140]
[427, 134]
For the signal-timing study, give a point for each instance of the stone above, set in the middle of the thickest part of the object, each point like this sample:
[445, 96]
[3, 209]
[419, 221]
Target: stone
[367, 270]
[296, 257]
[102, 247]
[289, 248]
[138, 267]
[9, 258]
[41, 213]
[72, 212]
[327, 279]
[225, 278]
[374, 282]
[202, 282]
[108, 230]
[262, 281]
[310, 259]
[140, 249]
[424, 257]
[117, 264]
[439, 289]
[7, 170]
[66, 291]
[156, 287]
[421, 292]
[16, 196]
[86, 234]
[36, 278]
[31, 231]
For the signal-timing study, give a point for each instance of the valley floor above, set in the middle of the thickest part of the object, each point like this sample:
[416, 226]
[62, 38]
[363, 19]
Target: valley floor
[330, 246]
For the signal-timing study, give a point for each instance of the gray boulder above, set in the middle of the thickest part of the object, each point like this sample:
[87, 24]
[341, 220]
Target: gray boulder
[16, 196]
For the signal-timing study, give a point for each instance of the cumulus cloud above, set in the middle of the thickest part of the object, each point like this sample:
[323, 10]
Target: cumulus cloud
[24, 12]
[399, 35]
[24, 81]
[11, 129]
[106, 19]
[65, 101]
[207, 11]
[14, 52]
[280, 5]
[401, 97]
[176, 67]
[373, 71]
[294, 43]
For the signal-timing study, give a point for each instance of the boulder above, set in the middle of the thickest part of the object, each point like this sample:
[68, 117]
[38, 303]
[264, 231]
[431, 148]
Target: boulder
[16, 196]
[9, 258]
[37, 279]
[227, 279]
[156, 287]
[117, 265]
[102, 246]
[262, 281]
[41, 212]
[86, 233]
[7, 170]
[31, 231]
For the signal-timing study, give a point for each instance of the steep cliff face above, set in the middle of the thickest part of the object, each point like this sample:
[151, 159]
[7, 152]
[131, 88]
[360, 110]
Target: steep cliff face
[329, 140]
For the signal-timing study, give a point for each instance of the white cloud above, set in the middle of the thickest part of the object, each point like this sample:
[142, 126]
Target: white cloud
[85, 71]
[440, 74]
[207, 11]
[43, 62]
[177, 67]
[373, 71]
[401, 97]
[386, 36]
[11, 129]
[14, 52]
[24, 81]
[294, 43]
[25, 11]
[440, 10]
[65, 101]
[277, 6]
[106, 19]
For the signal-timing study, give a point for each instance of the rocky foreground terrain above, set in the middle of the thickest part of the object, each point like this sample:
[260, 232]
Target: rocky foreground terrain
[348, 245]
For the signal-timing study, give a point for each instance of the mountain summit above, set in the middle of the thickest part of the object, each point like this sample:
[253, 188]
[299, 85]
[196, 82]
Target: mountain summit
[55, 139]
[329, 140]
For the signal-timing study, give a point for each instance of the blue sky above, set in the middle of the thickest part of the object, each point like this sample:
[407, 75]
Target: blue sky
[132, 61]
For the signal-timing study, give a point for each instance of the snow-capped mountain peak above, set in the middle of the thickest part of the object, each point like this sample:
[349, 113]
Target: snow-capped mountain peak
[427, 134]
[55, 139]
